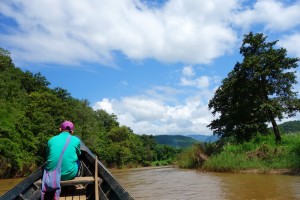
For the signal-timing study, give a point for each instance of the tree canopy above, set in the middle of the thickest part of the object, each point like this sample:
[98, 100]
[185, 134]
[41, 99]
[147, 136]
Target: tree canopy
[259, 90]
[31, 112]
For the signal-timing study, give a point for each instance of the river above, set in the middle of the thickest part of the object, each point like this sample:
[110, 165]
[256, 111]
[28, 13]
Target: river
[168, 183]
[173, 183]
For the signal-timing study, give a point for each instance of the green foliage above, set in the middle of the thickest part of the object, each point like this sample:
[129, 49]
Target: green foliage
[261, 153]
[108, 120]
[31, 112]
[256, 91]
[192, 157]
[164, 152]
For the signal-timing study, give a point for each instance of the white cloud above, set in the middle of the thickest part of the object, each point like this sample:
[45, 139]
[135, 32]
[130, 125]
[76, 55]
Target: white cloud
[272, 14]
[105, 104]
[146, 116]
[164, 94]
[188, 31]
[188, 71]
[188, 78]
[291, 43]
[200, 82]
[72, 32]
[154, 112]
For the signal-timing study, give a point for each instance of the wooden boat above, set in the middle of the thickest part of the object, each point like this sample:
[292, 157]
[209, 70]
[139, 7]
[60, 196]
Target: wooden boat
[95, 183]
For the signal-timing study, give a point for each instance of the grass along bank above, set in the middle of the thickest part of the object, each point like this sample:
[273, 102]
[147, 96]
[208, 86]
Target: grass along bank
[261, 155]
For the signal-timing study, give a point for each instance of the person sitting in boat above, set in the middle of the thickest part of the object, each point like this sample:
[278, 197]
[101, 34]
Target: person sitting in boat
[70, 163]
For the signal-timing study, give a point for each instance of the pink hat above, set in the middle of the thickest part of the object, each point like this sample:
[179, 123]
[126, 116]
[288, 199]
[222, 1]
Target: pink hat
[67, 125]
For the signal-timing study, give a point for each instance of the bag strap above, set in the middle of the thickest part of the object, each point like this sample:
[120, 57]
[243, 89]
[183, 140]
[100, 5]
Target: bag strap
[63, 151]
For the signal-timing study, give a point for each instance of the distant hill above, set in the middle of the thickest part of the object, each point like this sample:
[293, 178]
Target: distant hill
[204, 138]
[186, 141]
[175, 140]
[290, 127]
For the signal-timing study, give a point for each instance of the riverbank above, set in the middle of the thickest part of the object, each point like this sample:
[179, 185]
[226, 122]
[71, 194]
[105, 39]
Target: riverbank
[294, 172]
[142, 168]
[260, 155]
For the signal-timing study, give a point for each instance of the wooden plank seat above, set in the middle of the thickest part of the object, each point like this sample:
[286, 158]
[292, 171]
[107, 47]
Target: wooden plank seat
[78, 193]
[85, 180]
[79, 180]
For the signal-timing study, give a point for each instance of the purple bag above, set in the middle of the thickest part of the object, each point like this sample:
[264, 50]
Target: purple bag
[51, 179]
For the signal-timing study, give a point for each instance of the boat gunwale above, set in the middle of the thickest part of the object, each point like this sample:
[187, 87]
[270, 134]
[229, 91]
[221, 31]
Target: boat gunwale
[103, 173]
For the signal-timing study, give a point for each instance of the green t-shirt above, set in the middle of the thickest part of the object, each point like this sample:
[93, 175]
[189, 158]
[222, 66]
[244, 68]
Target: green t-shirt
[55, 146]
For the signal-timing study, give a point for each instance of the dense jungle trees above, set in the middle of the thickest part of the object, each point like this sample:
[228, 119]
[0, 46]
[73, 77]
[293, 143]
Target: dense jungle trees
[256, 92]
[31, 112]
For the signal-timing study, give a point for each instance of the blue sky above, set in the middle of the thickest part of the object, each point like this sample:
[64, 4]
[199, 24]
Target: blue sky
[155, 64]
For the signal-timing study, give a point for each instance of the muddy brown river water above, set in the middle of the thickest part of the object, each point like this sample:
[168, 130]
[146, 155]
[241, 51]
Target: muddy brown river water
[174, 183]
[170, 183]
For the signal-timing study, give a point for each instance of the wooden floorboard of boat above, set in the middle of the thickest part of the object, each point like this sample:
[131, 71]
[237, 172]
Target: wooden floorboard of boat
[76, 194]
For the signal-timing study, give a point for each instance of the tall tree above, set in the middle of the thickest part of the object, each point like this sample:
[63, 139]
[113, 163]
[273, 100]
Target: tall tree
[257, 91]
